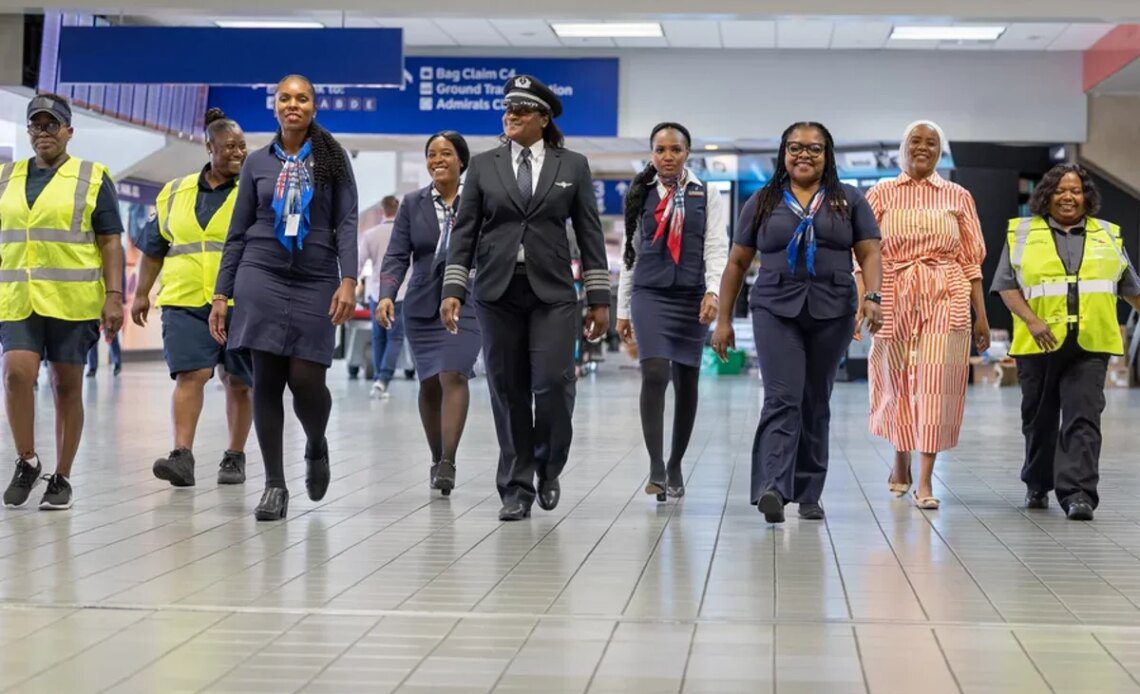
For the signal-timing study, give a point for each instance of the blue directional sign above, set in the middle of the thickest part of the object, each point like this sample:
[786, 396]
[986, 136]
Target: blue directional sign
[463, 94]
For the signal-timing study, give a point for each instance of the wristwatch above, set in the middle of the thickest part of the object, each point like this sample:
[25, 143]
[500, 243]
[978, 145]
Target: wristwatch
[221, 297]
[873, 296]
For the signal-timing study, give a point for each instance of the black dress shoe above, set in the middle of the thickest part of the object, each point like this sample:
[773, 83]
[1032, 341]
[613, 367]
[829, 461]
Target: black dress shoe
[771, 504]
[674, 481]
[549, 492]
[1080, 511]
[317, 473]
[443, 477]
[811, 512]
[513, 511]
[1037, 500]
[274, 504]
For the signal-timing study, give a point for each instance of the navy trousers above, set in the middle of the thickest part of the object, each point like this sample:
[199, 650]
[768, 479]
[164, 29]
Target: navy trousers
[799, 358]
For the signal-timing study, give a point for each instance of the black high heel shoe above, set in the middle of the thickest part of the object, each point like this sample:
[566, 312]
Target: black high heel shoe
[443, 477]
[317, 473]
[675, 481]
[656, 484]
[274, 504]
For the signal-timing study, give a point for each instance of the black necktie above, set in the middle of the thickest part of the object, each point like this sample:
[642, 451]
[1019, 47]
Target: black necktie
[524, 177]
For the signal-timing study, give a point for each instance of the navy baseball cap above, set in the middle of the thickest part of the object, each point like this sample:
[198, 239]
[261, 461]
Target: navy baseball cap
[55, 106]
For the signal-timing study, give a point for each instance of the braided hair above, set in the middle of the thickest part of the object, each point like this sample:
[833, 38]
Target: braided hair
[772, 194]
[330, 161]
[639, 189]
[217, 123]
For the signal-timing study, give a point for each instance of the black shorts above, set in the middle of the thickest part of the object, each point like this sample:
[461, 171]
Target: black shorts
[188, 346]
[58, 341]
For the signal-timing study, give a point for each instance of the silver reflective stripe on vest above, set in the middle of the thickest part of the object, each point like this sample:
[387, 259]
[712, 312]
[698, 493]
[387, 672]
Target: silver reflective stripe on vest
[1125, 264]
[51, 275]
[1096, 287]
[174, 188]
[5, 177]
[82, 187]
[1040, 290]
[46, 235]
[1018, 250]
[188, 248]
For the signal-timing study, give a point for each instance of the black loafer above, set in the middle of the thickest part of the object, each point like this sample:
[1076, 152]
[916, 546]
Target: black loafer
[274, 504]
[317, 473]
[1037, 500]
[811, 512]
[443, 477]
[549, 492]
[514, 511]
[771, 504]
[1080, 511]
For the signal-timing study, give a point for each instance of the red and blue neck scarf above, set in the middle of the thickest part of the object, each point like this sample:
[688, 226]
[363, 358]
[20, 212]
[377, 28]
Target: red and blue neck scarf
[670, 214]
[293, 194]
[804, 235]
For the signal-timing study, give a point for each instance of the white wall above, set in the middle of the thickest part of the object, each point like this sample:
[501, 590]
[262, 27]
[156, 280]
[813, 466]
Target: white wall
[375, 174]
[859, 95]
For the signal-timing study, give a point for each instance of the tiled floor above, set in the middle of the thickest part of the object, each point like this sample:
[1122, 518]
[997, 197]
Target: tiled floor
[385, 586]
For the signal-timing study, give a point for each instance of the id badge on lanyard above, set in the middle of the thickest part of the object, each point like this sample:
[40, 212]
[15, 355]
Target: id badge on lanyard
[293, 207]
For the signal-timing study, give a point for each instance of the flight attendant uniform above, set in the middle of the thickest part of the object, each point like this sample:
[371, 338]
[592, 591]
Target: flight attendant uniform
[804, 323]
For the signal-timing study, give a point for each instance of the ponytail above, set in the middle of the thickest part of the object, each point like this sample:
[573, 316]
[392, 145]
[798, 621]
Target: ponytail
[634, 202]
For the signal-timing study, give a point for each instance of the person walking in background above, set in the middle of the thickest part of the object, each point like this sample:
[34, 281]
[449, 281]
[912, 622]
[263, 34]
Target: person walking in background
[511, 224]
[676, 247]
[184, 242]
[61, 268]
[288, 263]
[932, 249]
[387, 342]
[805, 223]
[1061, 272]
[444, 362]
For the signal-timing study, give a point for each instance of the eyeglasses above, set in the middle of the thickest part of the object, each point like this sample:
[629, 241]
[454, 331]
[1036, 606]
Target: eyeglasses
[50, 127]
[520, 110]
[797, 148]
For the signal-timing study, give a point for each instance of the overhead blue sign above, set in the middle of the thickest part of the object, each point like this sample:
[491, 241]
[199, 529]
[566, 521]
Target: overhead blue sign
[610, 196]
[204, 55]
[463, 94]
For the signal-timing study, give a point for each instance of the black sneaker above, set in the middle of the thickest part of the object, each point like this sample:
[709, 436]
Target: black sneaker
[232, 468]
[176, 468]
[58, 494]
[25, 478]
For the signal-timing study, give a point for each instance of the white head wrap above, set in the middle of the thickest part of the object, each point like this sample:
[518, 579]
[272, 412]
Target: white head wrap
[904, 162]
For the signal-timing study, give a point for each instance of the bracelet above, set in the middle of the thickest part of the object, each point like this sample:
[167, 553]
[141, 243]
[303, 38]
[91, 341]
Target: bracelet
[220, 297]
[113, 291]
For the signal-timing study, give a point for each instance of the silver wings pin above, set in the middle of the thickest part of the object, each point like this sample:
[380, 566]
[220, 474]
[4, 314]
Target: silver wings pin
[563, 184]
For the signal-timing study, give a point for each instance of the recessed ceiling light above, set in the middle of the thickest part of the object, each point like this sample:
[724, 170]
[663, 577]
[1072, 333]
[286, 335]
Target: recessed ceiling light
[266, 24]
[947, 33]
[608, 30]
[712, 148]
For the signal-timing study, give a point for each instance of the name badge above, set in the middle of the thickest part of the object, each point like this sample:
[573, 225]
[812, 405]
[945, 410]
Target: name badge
[696, 193]
[292, 224]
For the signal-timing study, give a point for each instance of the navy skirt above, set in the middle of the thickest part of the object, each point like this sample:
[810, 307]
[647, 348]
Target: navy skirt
[283, 313]
[667, 323]
[435, 350]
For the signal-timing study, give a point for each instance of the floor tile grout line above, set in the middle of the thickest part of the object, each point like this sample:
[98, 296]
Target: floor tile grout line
[601, 658]
[417, 666]
[775, 658]
[946, 659]
[862, 664]
[1116, 660]
[68, 612]
[324, 668]
[1033, 662]
[167, 652]
[253, 655]
[688, 659]
[719, 529]
[511, 660]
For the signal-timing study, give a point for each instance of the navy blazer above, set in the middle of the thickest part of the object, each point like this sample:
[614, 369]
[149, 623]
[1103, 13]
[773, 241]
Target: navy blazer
[415, 236]
[831, 292]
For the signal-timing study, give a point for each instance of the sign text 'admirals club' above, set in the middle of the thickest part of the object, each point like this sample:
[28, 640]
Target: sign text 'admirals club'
[464, 94]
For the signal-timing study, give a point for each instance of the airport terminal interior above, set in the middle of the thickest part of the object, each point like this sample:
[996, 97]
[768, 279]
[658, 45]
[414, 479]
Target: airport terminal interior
[394, 582]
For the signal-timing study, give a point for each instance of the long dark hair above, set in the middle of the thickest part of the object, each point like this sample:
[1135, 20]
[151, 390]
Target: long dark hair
[457, 141]
[639, 189]
[330, 161]
[772, 194]
[1043, 193]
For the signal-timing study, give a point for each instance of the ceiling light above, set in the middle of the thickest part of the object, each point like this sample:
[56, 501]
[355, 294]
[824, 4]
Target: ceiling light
[608, 30]
[947, 33]
[266, 24]
[712, 148]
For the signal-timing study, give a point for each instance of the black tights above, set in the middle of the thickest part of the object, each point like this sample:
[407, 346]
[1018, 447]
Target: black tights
[444, 399]
[311, 403]
[655, 377]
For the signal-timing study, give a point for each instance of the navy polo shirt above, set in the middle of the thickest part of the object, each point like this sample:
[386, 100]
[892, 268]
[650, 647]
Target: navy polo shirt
[206, 205]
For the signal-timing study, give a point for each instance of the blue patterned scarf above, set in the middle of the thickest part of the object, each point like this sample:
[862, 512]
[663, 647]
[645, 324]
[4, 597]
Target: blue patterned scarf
[292, 195]
[804, 235]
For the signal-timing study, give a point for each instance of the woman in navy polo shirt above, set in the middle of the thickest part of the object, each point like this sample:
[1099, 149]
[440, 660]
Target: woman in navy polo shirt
[444, 361]
[804, 223]
[676, 246]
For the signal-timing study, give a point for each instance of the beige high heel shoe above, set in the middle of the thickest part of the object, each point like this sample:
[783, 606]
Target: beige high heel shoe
[926, 503]
[899, 489]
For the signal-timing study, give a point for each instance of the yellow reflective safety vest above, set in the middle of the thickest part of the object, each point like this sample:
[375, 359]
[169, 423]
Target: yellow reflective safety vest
[1041, 274]
[191, 266]
[50, 262]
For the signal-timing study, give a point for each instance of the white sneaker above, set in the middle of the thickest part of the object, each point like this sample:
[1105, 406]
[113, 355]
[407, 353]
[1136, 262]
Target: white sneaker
[380, 390]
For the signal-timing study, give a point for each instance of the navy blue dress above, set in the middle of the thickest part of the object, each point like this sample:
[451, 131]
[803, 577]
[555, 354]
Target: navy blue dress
[415, 241]
[665, 304]
[281, 297]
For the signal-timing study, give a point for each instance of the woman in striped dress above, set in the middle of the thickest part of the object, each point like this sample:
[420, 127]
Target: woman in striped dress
[932, 254]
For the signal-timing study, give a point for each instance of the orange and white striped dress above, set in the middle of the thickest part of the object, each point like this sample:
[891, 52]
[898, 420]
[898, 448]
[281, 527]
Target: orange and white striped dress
[932, 248]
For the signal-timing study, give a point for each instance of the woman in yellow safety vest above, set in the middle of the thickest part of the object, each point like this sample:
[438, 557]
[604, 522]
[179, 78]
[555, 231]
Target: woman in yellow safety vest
[184, 241]
[1060, 274]
[61, 262]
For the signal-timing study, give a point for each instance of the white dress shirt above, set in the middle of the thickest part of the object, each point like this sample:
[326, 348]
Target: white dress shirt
[537, 157]
[715, 253]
